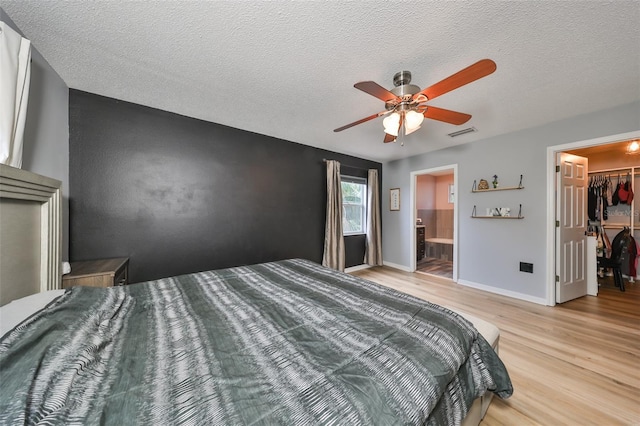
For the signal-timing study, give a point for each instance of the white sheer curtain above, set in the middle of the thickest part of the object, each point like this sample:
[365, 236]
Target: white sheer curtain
[333, 238]
[373, 251]
[15, 78]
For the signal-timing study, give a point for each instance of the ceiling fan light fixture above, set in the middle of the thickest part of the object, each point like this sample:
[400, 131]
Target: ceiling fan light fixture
[412, 121]
[391, 131]
[392, 119]
[408, 131]
[391, 124]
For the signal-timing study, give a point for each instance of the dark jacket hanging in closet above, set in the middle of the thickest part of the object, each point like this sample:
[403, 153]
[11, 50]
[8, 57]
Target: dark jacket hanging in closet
[625, 242]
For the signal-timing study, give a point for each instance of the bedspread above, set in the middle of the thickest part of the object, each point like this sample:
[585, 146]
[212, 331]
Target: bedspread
[287, 342]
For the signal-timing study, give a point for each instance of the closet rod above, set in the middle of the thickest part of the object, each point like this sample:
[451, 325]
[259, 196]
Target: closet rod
[630, 169]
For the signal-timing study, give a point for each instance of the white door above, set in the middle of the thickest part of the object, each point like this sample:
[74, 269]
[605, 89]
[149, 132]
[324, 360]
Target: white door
[571, 217]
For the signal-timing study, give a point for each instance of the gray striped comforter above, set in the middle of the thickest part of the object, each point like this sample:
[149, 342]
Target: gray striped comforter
[282, 343]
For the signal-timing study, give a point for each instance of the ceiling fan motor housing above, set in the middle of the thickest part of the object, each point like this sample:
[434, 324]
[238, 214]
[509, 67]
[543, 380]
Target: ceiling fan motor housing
[401, 78]
[403, 90]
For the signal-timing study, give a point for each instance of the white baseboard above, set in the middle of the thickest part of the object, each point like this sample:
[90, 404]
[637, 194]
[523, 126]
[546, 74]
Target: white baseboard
[396, 266]
[503, 292]
[495, 290]
[356, 268]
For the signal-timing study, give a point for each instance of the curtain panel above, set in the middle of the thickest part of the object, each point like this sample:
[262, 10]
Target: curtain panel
[373, 250]
[15, 79]
[333, 256]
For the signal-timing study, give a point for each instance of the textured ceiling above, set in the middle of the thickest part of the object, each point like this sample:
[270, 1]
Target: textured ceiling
[287, 68]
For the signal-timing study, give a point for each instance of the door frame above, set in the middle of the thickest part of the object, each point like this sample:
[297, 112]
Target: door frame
[412, 216]
[552, 199]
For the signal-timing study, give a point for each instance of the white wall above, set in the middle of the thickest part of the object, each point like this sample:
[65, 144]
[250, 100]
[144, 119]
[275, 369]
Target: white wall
[490, 250]
[46, 135]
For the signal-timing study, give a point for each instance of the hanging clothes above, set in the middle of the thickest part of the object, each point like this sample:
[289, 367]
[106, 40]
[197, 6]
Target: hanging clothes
[628, 252]
[603, 201]
[598, 198]
[623, 192]
[600, 252]
[592, 199]
[633, 258]
[605, 240]
[615, 198]
[609, 190]
[634, 269]
[629, 188]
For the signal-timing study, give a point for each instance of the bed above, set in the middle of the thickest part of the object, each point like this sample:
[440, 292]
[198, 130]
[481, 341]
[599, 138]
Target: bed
[286, 342]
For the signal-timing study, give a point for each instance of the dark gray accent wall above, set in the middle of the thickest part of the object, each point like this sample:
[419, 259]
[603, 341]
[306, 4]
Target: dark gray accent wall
[179, 195]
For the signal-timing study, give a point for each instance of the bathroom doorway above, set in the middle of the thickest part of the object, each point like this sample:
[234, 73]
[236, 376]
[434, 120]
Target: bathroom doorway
[435, 221]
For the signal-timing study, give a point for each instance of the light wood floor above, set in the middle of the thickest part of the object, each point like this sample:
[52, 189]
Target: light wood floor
[577, 363]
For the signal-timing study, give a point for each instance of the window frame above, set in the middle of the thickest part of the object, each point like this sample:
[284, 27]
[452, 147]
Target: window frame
[365, 216]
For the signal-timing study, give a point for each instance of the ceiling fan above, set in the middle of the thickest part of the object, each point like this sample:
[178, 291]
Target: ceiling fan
[405, 103]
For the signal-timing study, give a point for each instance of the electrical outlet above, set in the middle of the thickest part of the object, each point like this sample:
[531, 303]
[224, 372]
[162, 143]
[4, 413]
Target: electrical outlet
[526, 267]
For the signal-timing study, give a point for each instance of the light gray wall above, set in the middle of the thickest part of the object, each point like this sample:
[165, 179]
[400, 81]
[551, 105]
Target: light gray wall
[46, 138]
[490, 250]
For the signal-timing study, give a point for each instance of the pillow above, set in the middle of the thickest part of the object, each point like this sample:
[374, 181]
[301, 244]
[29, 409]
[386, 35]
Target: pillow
[13, 313]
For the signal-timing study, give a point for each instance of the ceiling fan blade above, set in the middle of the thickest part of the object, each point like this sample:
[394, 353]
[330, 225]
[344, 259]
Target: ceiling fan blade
[374, 89]
[363, 120]
[472, 73]
[446, 115]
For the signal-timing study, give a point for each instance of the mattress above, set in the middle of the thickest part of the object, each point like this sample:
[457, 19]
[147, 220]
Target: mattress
[287, 342]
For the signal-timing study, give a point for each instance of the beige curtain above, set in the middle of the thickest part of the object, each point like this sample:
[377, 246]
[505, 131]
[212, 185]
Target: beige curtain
[15, 78]
[333, 239]
[373, 251]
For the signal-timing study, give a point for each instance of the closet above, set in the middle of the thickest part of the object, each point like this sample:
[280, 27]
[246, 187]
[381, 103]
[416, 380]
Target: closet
[613, 211]
[613, 205]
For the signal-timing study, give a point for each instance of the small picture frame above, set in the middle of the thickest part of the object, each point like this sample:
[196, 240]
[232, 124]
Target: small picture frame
[394, 199]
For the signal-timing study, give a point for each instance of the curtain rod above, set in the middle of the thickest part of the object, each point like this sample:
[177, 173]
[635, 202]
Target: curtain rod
[324, 160]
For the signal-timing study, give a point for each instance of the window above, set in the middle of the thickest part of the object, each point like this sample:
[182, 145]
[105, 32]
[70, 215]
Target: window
[354, 205]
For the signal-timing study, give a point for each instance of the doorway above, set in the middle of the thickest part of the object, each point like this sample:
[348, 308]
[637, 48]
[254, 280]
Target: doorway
[555, 268]
[434, 220]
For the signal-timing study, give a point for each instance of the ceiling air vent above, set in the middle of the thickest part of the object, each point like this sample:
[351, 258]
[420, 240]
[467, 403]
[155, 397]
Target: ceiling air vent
[463, 132]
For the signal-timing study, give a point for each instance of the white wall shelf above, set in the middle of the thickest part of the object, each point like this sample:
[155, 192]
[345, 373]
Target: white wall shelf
[474, 188]
[474, 215]
[497, 217]
[506, 188]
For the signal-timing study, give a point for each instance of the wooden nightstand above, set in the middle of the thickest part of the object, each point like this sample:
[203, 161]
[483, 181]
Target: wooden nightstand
[98, 273]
